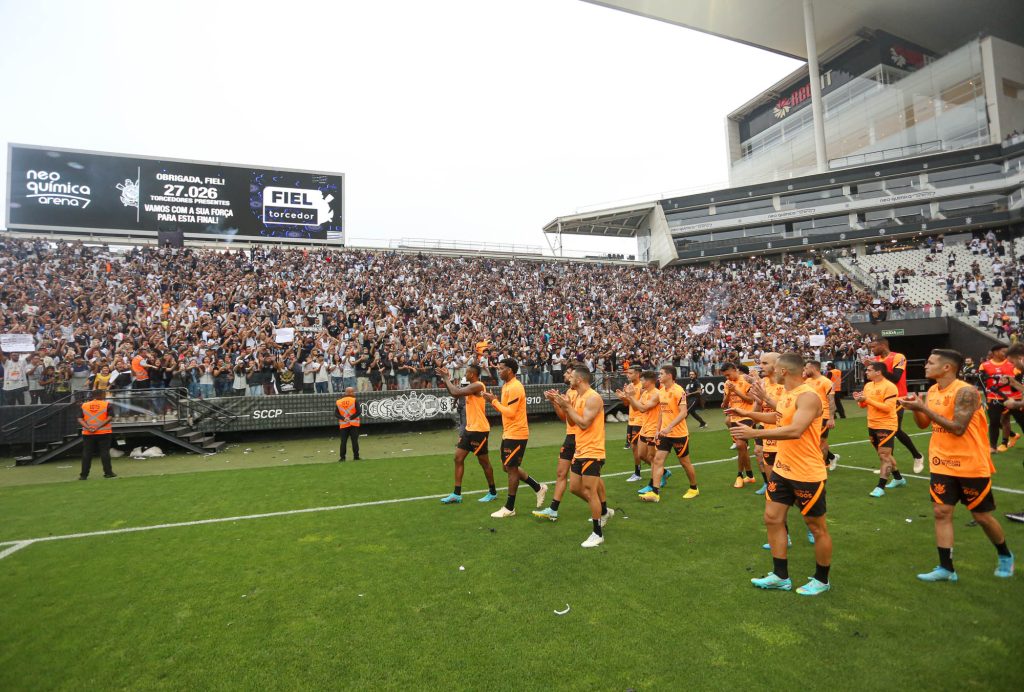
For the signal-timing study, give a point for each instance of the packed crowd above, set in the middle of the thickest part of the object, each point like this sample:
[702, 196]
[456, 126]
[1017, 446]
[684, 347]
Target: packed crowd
[269, 321]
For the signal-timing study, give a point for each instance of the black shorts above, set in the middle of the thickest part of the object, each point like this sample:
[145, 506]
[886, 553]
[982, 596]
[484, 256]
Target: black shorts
[824, 430]
[809, 497]
[512, 452]
[587, 467]
[680, 445]
[882, 438]
[769, 458]
[568, 450]
[649, 441]
[974, 493]
[475, 442]
[632, 434]
[744, 421]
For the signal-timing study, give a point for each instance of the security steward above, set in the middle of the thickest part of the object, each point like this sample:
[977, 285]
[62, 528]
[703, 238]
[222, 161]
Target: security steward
[96, 434]
[348, 423]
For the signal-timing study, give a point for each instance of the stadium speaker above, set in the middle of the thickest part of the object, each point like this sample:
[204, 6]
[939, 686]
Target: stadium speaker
[171, 238]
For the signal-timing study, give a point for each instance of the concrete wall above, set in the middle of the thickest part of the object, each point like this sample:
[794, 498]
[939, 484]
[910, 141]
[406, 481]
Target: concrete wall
[1003, 63]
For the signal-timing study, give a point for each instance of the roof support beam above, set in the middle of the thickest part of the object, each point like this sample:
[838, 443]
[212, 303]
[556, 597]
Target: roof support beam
[815, 78]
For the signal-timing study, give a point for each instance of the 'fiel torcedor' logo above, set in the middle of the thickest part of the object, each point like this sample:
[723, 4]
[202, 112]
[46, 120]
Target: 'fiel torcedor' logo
[47, 187]
[292, 206]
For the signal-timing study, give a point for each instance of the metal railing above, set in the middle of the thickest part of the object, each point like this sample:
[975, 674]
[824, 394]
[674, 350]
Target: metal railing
[885, 154]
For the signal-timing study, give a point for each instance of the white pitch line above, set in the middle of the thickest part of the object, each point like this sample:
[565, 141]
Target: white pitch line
[13, 548]
[16, 545]
[926, 478]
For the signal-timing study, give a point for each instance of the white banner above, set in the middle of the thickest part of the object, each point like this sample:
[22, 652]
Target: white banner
[816, 340]
[284, 335]
[17, 343]
[700, 328]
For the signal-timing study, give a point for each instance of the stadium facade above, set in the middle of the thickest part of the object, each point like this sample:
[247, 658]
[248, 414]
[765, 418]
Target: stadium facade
[909, 128]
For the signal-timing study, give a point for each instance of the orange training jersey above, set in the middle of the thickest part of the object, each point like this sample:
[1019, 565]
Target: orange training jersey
[571, 429]
[774, 392]
[880, 401]
[649, 426]
[673, 401]
[513, 411]
[966, 455]
[737, 403]
[590, 442]
[993, 371]
[799, 459]
[896, 361]
[822, 386]
[476, 414]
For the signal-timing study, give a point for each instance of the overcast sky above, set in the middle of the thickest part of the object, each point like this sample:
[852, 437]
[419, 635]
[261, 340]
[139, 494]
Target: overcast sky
[452, 119]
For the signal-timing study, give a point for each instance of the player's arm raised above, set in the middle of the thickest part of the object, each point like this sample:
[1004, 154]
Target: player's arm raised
[808, 407]
[593, 408]
[964, 406]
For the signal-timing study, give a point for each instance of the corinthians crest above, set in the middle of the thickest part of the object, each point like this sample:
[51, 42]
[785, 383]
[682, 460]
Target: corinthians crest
[411, 406]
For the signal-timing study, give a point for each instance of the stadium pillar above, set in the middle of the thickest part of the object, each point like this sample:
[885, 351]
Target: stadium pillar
[815, 78]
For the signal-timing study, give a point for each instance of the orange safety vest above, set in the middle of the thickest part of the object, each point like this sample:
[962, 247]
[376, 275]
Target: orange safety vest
[140, 372]
[96, 413]
[347, 410]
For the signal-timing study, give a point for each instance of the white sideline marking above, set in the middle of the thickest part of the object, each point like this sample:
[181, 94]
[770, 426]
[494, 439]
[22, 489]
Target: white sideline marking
[13, 548]
[16, 545]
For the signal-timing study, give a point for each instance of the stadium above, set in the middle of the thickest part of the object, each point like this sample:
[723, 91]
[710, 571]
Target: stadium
[227, 426]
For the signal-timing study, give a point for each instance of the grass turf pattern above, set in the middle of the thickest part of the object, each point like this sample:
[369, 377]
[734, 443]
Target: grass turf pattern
[374, 597]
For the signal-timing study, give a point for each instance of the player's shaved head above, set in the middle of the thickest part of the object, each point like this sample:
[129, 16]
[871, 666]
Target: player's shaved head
[791, 362]
[948, 355]
[583, 373]
[649, 375]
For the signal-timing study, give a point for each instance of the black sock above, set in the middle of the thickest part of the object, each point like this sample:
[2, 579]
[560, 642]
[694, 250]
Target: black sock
[781, 567]
[765, 477]
[750, 474]
[534, 485]
[1006, 440]
[830, 456]
[597, 527]
[510, 502]
[946, 559]
[821, 573]
[604, 508]
[554, 505]
[458, 490]
[636, 469]
[693, 487]
[739, 474]
[656, 491]
[492, 490]
[897, 475]
[1003, 550]
[881, 483]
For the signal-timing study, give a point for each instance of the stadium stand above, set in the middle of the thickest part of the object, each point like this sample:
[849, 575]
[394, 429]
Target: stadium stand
[977, 278]
[207, 320]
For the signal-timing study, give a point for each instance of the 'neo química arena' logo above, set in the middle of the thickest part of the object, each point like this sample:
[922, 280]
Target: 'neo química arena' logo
[289, 206]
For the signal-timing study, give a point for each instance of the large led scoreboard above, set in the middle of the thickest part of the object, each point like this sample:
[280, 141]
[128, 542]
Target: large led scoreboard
[82, 191]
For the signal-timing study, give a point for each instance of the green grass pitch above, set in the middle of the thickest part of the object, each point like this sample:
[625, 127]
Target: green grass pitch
[373, 596]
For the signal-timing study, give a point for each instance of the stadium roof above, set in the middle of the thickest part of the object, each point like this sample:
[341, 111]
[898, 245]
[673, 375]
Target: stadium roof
[778, 25]
[622, 222]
